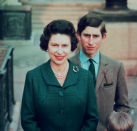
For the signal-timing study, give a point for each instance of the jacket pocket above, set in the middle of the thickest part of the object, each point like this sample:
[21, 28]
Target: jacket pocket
[109, 84]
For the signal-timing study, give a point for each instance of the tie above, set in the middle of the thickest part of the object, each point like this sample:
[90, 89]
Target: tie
[92, 69]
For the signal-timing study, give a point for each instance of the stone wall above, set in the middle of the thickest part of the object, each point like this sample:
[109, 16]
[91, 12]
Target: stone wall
[13, 2]
[121, 41]
[2, 2]
[121, 44]
[9, 2]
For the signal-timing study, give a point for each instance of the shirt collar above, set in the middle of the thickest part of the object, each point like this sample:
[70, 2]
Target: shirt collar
[96, 57]
[84, 58]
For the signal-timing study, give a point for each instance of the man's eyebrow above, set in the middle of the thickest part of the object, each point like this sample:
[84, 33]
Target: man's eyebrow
[87, 33]
[96, 34]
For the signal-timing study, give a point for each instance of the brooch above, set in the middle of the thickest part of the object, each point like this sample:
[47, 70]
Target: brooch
[75, 69]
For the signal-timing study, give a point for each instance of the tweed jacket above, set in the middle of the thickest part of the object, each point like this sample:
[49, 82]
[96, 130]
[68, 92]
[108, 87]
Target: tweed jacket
[48, 106]
[111, 91]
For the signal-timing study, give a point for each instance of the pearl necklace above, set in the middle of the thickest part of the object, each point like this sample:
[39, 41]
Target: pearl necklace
[61, 75]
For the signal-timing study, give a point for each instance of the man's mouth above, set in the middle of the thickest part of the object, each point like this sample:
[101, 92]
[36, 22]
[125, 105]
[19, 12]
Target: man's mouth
[90, 47]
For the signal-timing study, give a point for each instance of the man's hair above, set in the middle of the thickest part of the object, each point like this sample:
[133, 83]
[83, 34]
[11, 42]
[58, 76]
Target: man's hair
[93, 21]
[119, 121]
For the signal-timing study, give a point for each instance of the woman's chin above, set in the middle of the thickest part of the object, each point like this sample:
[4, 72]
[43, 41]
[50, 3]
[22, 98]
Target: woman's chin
[59, 62]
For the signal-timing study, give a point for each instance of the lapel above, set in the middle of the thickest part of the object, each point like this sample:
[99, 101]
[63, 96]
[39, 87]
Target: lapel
[48, 74]
[76, 59]
[72, 76]
[102, 69]
[50, 78]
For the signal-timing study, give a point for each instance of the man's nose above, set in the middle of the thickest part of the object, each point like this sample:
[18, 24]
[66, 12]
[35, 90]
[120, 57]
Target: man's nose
[60, 50]
[91, 40]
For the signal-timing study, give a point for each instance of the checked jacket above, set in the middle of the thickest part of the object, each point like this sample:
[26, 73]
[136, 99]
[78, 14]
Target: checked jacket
[111, 88]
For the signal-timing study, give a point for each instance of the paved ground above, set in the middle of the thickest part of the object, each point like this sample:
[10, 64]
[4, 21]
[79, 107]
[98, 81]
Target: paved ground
[29, 57]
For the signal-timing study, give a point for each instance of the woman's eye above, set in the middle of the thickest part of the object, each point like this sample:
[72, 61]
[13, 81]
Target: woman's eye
[65, 45]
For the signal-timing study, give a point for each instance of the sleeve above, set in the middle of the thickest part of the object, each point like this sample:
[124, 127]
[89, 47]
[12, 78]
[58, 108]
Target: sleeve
[121, 95]
[28, 114]
[91, 115]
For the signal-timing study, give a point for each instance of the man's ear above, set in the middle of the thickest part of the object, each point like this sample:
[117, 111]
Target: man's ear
[78, 36]
[104, 37]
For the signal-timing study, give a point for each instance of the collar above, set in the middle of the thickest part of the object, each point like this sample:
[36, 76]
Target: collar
[50, 78]
[84, 58]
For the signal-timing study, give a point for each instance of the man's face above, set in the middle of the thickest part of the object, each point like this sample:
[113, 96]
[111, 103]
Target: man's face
[91, 39]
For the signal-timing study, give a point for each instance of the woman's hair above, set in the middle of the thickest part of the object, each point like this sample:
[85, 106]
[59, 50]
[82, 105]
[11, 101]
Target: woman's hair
[61, 27]
[119, 121]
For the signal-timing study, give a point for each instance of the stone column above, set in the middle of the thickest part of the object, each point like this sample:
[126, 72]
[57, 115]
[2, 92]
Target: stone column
[116, 4]
[116, 11]
[132, 4]
[24, 2]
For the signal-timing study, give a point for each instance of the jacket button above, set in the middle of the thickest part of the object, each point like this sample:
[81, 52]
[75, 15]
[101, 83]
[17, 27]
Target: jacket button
[60, 93]
[61, 112]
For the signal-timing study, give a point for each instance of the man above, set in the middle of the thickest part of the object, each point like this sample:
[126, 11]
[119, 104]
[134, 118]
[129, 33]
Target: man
[109, 74]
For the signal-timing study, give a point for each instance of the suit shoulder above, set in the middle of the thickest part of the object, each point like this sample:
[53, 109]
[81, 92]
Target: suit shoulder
[36, 70]
[71, 58]
[112, 61]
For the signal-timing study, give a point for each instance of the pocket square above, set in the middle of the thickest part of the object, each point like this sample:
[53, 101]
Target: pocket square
[109, 84]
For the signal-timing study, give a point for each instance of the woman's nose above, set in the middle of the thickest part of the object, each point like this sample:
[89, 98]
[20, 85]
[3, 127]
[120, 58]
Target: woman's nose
[60, 50]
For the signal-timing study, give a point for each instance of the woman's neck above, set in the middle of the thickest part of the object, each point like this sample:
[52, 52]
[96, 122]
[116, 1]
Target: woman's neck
[59, 67]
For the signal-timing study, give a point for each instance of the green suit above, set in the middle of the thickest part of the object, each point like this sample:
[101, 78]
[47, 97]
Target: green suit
[47, 106]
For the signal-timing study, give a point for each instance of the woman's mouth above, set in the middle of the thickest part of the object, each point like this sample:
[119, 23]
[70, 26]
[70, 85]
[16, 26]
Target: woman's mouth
[59, 57]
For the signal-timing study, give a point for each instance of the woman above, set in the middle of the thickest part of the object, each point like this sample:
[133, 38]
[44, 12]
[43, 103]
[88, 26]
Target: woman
[58, 95]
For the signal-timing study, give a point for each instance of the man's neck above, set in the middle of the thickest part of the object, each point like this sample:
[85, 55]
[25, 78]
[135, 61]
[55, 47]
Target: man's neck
[90, 56]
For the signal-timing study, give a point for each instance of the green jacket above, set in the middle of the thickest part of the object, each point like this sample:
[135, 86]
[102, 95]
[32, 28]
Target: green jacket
[47, 106]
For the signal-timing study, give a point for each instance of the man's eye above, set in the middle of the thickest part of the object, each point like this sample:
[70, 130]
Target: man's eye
[96, 36]
[54, 45]
[87, 35]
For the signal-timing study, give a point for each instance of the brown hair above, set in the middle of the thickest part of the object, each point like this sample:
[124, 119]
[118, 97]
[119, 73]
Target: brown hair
[61, 27]
[119, 121]
[93, 21]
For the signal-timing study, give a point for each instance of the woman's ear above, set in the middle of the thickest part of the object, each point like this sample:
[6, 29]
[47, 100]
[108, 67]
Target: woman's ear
[105, 129]
[78, 36]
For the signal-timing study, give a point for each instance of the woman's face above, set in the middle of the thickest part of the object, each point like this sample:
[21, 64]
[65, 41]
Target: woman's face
[59, 48]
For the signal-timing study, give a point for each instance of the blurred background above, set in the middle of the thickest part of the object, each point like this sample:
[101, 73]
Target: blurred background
[21, 24]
